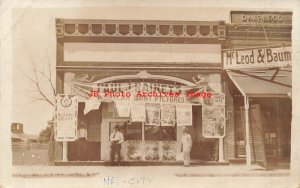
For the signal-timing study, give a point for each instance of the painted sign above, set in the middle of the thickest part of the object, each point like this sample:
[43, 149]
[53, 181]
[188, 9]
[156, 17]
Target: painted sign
[258, 17]
[213, 116]
[66, 118]
[257, 57]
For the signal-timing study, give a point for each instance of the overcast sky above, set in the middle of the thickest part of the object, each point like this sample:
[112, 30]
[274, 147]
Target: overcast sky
[34, 39]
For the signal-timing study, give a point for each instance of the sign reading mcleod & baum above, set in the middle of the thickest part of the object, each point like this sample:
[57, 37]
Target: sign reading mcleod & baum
[66, 118]
[257, 57]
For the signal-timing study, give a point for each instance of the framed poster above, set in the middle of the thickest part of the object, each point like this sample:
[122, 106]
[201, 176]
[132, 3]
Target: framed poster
[66, 118]
[213, 116]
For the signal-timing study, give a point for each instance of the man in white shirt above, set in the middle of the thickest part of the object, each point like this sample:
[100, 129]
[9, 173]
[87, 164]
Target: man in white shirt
[116, 138]
[186, 146]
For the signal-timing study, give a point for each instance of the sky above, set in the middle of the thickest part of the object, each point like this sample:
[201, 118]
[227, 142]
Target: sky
[34, 40]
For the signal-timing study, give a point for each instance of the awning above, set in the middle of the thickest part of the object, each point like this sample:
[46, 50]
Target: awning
[263, 83]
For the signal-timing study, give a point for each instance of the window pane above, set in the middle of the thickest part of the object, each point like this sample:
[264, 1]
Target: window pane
[168, 133]
[160, 133]
[134, 131]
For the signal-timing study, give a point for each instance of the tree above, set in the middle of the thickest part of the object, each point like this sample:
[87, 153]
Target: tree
[43, 90]
[42, 80]
[45, 135]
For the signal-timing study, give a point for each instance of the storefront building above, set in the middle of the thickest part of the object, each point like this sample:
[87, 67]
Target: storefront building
[261, 91]
[154, 77]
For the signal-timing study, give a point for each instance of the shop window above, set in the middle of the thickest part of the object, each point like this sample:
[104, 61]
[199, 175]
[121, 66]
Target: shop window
[160, 133]
[131, 131]
[134, 131]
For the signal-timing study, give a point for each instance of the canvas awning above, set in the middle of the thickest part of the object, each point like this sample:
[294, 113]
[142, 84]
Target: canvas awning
[264, 83]
[260, 83]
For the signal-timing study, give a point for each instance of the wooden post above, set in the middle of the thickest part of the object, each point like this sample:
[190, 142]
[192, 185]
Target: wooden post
[248, 149]
[143, 141]
[221, 150]
[65, 151]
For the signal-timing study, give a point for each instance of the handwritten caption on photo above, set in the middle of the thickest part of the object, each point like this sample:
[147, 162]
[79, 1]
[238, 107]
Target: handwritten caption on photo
[132, 181]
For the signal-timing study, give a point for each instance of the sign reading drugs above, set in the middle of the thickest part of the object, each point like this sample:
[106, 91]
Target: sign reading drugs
[257, 58]
[66, 118]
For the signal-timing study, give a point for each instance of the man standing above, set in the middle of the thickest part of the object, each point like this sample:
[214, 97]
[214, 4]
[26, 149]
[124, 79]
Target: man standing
[116, 138]
[82, 144]
[186, 146]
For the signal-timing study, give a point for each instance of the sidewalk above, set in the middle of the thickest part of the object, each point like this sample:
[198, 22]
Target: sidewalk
[167, 171]
[229, 176]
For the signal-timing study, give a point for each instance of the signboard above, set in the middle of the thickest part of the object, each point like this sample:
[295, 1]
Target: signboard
[139, 92]
[213, 116]
[259, 17]
[66, 118]
[264, 57]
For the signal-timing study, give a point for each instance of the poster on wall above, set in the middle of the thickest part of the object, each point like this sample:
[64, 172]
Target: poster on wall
[152, 114]
[138, 112]
[167, 115]
[213, 116]
[121, 109]
[184, 115]
[66, 118]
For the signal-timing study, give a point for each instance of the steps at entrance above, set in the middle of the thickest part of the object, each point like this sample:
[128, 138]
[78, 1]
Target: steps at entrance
[138, 163]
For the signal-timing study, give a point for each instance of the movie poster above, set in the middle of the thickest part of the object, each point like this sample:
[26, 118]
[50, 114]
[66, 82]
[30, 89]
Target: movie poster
[184, 115]
[122, 109]
[213, 116]
[167, 115]
[138, 112]
[152, 114]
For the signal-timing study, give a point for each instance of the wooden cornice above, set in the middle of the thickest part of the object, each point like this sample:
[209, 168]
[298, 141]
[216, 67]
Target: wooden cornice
[74, 28]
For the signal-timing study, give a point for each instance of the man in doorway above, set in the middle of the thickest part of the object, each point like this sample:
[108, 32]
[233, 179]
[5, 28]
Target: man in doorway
[116, 138]
[186, 146]
[82, 144]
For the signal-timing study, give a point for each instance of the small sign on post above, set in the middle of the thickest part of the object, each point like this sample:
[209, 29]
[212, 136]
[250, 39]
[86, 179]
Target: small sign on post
[66, 118]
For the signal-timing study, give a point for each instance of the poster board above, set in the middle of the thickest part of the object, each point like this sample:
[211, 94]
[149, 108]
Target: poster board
[66, 118]
[213, 116]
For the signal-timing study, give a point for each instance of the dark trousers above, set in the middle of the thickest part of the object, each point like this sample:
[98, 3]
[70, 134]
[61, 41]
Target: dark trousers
[115, 149]
[81, 149]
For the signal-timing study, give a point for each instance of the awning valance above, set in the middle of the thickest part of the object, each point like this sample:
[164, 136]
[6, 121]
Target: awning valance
[263, 83]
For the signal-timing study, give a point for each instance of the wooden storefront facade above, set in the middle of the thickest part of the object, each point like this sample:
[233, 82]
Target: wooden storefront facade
[84, 56]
